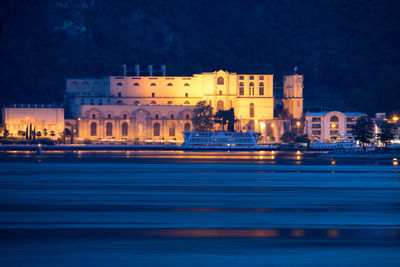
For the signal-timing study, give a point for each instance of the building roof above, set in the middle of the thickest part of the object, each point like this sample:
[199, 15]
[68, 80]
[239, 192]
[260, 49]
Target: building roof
[322, 114]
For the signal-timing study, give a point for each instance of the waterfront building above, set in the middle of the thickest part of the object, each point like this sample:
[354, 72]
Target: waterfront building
[330, 125]
[46, 120]
[146, 105]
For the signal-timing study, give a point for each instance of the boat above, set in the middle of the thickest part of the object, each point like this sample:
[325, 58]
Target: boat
[221, 140]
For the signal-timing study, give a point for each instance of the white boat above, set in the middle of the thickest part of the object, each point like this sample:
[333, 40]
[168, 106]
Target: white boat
[221, 140]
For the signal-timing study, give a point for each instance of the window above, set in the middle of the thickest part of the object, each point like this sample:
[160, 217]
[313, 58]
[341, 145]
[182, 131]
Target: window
[169, 102]
[186, 94]
[186, 84]
[220, 92]
[186, 103]
[82, 102]
[220, 81]
[119, 94]
[153, 94]
[349, 119]
[136, 103]
[119, 102]
[153, 84]
[124, 116]
[251, 88]
[169, 84]
[241, 88]
[241, 77]
[172, 129]
[187, 116]
[316, 119]
[251, 77]
[136, 84]
[334, 119]
[316, 132]
[100, 102]
[334, 132]
[210, 103]
[316, 126]
[93, 129]
[124, 129]
[261, 88]
[156, 129]
[187, 127]
[109, 116]
[172, 116]
[109, 129]
[156, 117]
[220, 105]
[93, 116]
[261, 78]
[251, 110]
[119, 84]
[153, 102]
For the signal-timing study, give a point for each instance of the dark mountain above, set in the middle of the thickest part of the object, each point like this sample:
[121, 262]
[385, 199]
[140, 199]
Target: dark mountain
[348, 51]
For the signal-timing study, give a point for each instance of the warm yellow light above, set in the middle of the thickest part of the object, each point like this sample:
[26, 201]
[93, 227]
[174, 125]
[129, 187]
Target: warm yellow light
[298, 152]
[333, 125]
[395, 119]
[333, 162]
[27, 118]
[79, 119]
[272, 125]
[298, 123]
[262, 124]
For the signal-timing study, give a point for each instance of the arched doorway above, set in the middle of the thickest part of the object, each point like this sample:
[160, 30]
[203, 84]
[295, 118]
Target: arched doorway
[156, 129]
[220, 105]
[124, 129]
[93, 129]
[187, 127]
[109, 129]
[172, 129]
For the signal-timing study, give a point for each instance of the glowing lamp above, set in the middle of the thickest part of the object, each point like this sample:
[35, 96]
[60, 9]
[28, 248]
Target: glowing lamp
[298, 123]
[272, 125]
[333, 125]
[395, 119]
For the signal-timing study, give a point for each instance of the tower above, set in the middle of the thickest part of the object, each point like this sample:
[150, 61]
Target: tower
[293, 95]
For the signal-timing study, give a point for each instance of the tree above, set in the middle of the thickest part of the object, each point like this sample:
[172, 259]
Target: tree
[302, 139]
[203, 117]
[224, 117]
[363, 130]
[288, 137]
[387, 132]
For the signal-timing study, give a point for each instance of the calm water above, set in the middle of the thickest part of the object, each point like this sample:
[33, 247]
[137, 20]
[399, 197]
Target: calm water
[197, 209]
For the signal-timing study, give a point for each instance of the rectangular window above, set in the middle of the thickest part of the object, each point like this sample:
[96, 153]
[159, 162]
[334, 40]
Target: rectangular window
[251, 77]
[220, 92]
[349, 119]
[241, 77]
[316, 119]
[334, 132]
[348, 126]
[261, 77]
[186, 94]
[109, 116]
[316, 132]
[241, 90]
[153, 94]
[316, 126]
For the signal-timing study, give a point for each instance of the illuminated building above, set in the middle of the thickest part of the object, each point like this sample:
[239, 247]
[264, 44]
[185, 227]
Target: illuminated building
[160, 107]
[328, 125]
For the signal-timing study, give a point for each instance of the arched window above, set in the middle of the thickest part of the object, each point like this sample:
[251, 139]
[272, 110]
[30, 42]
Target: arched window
[153, 84]
[241, 88]
[136, 84]
[119, 94]
[334, 119]
[156, 129]
[119, 84]
[172, 116]
[172, 129]
[220, 81]
[93, 129]
[124, 116]
[156, 116]
[124, 129]
[73, 86]
[261, 88]
[170, 84]
[93, 116]
[186, 84]
[153, 102]
[169, 102]
[108, 116]
[251, 88]
[220, 105]
[187, 127]
[187, 116]
[251, 110]
[187, 103]
[85, 86]
[136, 103]
[109, 129]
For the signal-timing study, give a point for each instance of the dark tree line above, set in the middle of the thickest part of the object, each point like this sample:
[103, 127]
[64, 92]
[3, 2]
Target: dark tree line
[348, 51]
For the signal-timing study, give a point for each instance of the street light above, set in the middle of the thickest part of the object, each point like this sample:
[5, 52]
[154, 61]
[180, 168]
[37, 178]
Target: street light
[395, 118]
[298, 127]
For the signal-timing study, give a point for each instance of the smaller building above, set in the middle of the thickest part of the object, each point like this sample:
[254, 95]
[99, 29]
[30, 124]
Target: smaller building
[46, 120]
[329, 125]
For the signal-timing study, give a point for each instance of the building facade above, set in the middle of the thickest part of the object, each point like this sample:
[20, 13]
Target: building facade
[142, 104]
[329, 125]
[46, 120]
